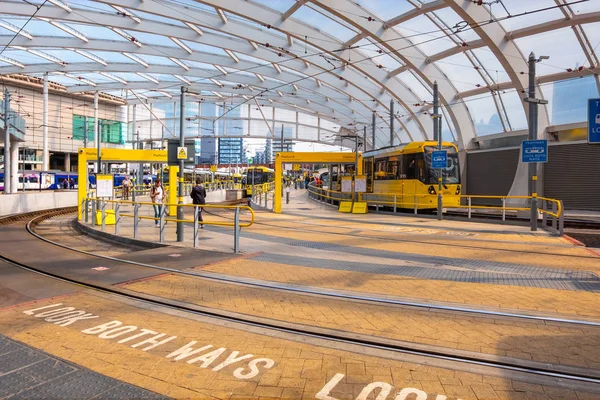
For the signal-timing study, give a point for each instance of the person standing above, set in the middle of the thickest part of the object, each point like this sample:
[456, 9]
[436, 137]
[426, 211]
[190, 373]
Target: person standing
[126, 186]
[198, 196]
[157, 195]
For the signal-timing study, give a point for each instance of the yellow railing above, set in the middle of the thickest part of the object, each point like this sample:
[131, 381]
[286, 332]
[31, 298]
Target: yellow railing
[413, 201]
[99, 213]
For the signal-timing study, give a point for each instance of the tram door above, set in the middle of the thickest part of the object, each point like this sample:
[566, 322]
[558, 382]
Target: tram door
[368, 171]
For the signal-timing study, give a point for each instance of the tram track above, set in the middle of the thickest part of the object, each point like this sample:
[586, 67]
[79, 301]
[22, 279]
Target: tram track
[375, 343]
[311, 290]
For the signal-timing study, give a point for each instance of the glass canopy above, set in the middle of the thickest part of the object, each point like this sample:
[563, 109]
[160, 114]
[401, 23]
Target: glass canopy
[319, 63]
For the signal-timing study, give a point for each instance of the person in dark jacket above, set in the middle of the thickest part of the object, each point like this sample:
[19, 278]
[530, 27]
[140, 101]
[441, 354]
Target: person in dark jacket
[198, 196]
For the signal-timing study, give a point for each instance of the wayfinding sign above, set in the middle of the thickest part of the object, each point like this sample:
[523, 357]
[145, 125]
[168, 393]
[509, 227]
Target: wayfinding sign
[439, 159]
[594, 121]
[534, 151]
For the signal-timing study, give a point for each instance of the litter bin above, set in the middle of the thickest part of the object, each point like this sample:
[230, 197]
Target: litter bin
[109, 217]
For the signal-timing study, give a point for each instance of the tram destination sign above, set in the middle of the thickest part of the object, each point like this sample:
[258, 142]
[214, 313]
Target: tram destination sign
[439, 159]
[594, 121]
[534, 151]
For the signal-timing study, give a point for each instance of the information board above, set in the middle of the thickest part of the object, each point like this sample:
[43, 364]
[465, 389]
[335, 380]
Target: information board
[346, 184]
[534, 151]
[594, 121]
[104, 185]
[439, 159]
[360, 183]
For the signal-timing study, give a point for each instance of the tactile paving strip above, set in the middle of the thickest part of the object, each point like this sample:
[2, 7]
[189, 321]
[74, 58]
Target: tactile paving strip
[27, 373]
[452, 270]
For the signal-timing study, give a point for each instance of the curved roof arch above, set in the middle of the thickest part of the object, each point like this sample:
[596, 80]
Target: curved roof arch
[335, 59]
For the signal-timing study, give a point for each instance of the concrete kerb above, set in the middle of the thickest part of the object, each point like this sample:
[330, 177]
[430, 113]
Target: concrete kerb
[98, 234]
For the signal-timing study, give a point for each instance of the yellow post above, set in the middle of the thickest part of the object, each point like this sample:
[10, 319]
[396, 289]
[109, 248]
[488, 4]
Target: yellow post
[173, 179]
[278, 184]
[82, 182]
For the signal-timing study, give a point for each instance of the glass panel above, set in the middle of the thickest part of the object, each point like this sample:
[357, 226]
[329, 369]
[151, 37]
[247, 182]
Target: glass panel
[568, 99]
[307, 119]
[451, 19]
[513, 105]
[320, 22]
[258, 113]
[560, 45]
[279, 5]
[518, 7]
[425, 35]
[371, 50]
[259, 128]
[307, 132]
[386, 9]
[459, 71]
[421, 92]
[285, 115]
[484, 114]
[490, 63]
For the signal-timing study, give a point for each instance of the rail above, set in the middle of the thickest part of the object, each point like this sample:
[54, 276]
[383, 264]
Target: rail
[551, 210]
[100, 215]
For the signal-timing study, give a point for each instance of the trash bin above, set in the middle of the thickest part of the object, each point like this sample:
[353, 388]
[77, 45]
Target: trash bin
[109, 217]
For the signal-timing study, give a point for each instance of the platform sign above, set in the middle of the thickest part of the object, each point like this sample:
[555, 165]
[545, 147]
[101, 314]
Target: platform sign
[594, 121]
[534, 151]
[360, 183]
[346, 184]
[104, 185]
[439, 159]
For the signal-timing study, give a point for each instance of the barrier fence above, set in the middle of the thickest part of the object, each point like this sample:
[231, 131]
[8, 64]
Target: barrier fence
[108, 212]
[550, 210]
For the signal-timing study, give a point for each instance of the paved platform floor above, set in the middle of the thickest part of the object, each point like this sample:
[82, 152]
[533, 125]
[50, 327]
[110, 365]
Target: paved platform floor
[189, 356]
[183, 355]
[481, 264]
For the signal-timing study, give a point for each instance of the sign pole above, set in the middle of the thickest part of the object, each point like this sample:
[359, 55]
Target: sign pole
[532, 136]
[181, 165]
[437, 136]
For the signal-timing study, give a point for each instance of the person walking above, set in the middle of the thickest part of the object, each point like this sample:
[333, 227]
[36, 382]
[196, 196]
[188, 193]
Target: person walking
[198, 196]
[157, 195]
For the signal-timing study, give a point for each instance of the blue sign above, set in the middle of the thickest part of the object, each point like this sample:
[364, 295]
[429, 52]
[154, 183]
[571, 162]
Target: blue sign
[534, 151]
[439, 159]
[594, 121]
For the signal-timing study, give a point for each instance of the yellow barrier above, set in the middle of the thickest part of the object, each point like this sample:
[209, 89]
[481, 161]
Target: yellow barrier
[190, 206]
[340, 196]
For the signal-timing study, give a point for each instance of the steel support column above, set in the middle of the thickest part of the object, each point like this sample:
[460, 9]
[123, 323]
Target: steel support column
[45, 151]
[6, 141]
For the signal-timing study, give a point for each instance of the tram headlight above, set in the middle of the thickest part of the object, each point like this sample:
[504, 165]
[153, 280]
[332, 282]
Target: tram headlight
[457, 190]
[431, 190]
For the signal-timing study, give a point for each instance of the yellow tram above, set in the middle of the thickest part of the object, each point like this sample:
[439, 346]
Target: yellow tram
[258, 176]
[405, 172]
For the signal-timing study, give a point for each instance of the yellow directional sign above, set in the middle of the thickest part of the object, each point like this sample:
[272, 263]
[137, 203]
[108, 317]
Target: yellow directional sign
[296, 167]
[213, 168]
[345, 207]
[182, 153]
[360, 207]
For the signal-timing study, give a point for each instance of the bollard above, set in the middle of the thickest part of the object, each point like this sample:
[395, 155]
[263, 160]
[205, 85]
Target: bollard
[469, 207]
[266, 198]
[161, 224]
[117, 218]
[236, 232]
[544, 215]
[394, 204]
[561, 220]
[554, 219]
[196, 227]
[416, 206]
[136, 212]
[87, 204]
[287, 197]
[103, 214]
[503, 209]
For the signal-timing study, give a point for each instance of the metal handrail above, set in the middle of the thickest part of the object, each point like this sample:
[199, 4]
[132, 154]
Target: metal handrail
[556, 214]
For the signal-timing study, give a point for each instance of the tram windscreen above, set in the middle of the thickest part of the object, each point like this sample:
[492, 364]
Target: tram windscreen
[258, 177]
[450, 174]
